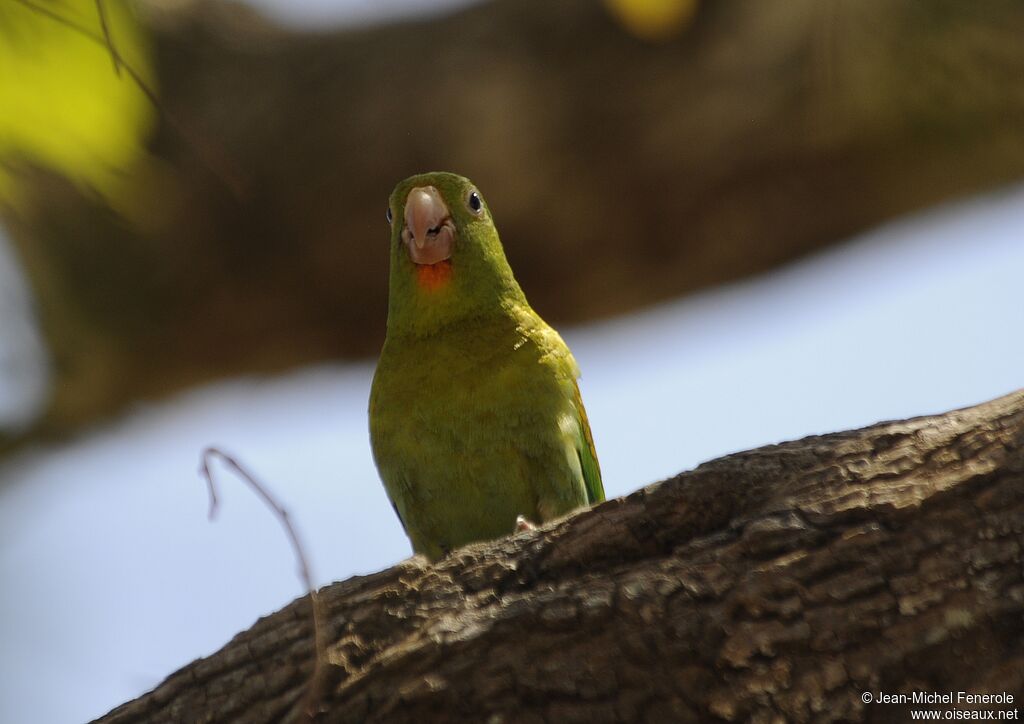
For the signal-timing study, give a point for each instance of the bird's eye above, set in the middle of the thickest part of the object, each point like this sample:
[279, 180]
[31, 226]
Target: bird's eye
[388, 215]
[474, 202]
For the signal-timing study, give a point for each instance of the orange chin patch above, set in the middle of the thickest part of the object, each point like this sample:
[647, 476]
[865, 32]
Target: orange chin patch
[434, 276]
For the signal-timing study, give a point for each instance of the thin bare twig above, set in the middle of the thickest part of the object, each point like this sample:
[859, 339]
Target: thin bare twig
[101, 10]
[43, 10]
[313, 693]
[105, 42]
[221, 166]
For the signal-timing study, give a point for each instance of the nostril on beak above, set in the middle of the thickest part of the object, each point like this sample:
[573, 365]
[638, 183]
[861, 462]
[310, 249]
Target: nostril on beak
[425, 212]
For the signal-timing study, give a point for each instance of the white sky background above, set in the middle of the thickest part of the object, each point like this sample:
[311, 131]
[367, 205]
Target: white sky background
[312, 14]
[113, 577]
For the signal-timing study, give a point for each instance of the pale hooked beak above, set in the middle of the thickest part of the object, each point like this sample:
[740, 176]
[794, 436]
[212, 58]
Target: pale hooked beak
[429, 231]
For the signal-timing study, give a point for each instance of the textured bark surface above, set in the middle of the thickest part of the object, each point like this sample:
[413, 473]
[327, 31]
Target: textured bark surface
[780, 582]
[620, 172]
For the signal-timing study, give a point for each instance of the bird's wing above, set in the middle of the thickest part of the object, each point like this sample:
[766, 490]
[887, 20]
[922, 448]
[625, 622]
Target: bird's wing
[587, 454]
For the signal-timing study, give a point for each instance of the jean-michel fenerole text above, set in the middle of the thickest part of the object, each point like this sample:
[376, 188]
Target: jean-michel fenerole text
[940, 697]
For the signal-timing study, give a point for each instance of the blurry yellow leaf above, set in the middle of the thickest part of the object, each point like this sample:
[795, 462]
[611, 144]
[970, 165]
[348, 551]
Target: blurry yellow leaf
[62, 105]
[653, 19]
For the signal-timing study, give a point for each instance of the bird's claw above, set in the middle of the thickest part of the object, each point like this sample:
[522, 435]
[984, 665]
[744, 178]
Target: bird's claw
[523, 524]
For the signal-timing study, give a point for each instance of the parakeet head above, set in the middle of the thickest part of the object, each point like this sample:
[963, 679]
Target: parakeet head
[447, 262]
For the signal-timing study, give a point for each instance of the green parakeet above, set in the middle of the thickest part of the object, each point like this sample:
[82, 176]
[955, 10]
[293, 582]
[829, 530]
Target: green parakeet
[475, 414]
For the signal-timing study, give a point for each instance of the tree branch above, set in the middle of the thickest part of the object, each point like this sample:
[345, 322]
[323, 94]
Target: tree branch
[783, 582]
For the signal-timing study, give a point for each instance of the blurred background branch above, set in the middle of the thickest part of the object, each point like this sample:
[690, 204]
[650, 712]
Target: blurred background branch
[623, 170]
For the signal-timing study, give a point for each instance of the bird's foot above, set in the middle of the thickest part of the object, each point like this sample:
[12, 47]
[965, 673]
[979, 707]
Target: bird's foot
[523, 524]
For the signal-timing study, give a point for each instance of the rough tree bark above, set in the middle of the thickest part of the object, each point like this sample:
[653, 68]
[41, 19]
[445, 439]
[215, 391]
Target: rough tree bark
[770, 585]
[620, 172]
